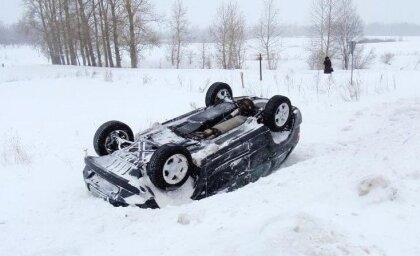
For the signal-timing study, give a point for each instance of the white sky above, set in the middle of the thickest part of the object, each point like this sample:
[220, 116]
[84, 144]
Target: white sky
[202, 12]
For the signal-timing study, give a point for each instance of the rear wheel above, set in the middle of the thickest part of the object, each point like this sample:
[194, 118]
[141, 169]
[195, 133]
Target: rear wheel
[170, 167]
[277, 113]
[112, 136]
[217, 93]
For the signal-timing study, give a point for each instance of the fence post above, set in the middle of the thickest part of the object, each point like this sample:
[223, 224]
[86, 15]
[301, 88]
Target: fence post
[352, 48]
[260, 58]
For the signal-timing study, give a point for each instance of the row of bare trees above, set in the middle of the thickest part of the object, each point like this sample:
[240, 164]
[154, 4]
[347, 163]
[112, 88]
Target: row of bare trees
[227, 32]
[335, 23]
[98, 32]
[91, 32]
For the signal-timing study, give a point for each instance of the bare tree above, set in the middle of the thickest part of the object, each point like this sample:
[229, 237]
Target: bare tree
[205, 58]
[179, 26]
[268, 33]
[140, 15]
[228, 31]
[323, 16]
[348, 27]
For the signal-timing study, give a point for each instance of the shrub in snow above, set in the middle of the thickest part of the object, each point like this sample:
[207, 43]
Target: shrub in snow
[146, 79]
[108, 76]
[387, 58]
[315, 60]
[14, 152]
[363, 60]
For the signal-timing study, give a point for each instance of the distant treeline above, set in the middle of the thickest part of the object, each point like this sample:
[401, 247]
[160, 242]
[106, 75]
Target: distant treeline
[397, 29]
[371, 29]
[13, 35]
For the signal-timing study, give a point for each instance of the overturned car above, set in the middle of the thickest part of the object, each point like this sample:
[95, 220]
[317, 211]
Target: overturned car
[224, 146]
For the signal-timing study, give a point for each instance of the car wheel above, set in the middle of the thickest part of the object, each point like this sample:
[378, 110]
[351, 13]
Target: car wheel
[277, 113]
[170, 167]
[218, 92]
[106, 139]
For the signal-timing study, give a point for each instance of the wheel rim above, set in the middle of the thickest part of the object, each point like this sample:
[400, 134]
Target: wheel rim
[223, 94]
[111, 142]
[282, 114]
[175, 169]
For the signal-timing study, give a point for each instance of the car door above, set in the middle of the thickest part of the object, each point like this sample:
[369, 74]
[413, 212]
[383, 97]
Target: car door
[233, 166]
[228, 168]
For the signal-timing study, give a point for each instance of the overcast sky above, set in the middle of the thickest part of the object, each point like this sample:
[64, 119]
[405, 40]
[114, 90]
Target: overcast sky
[202, 12]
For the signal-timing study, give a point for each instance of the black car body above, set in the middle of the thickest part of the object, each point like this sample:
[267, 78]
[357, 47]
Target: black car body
[221, 164]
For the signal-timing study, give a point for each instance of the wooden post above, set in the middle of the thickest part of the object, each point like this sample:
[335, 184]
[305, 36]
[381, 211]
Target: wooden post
[242, 79]
[260, 58]
[352, 48]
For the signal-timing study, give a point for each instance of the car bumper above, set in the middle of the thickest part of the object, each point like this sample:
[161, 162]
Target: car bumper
[116, 191]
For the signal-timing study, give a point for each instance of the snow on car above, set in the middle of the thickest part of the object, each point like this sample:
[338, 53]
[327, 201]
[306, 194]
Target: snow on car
[230, 143]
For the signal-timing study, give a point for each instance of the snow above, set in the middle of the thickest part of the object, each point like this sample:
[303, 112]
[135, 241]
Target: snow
[351, 187]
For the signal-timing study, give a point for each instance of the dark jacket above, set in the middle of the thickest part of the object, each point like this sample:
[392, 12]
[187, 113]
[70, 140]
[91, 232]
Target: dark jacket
[328, 66]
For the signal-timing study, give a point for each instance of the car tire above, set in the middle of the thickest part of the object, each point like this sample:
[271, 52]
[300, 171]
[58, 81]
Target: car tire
[217, 93]
[103, 141]
[277, 113]
[170, 167]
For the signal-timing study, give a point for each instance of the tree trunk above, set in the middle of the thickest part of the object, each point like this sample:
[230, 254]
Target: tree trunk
[115, 35]
[57, 33]
[178, 53]
[132, 38]
[70, 34]
[97, 44]
[86, 34]
[103, 35]
[64, 31]
[81, 40]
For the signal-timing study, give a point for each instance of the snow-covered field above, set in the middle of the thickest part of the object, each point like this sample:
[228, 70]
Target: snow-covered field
[352, 187]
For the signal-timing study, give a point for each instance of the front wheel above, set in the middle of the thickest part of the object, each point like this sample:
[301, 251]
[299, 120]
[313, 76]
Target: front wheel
[277, 113]
[170, 167]
[112, 136]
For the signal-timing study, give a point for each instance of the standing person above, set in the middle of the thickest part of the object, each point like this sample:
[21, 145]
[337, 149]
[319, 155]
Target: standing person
[328, 66]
